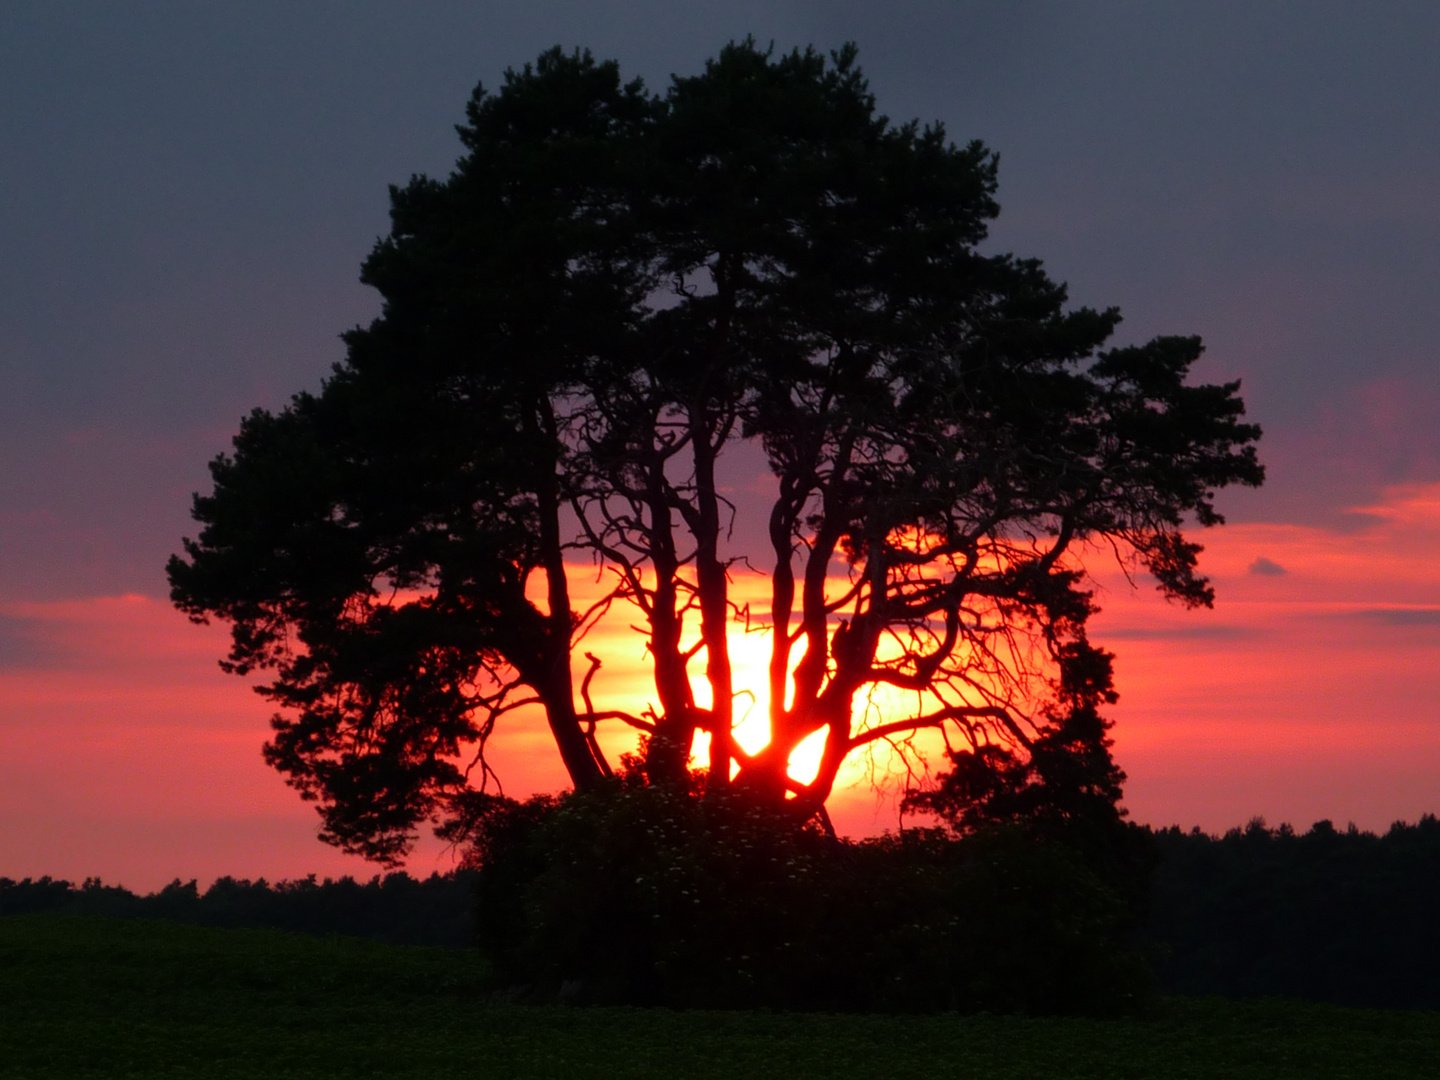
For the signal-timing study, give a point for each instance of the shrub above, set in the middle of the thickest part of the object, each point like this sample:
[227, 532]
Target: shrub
[649, 896]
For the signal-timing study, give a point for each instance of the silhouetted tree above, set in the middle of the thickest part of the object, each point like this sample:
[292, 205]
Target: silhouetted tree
[613, 290]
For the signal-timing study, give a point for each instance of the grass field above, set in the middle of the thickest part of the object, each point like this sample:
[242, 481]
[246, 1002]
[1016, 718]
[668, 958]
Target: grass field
[97, 997]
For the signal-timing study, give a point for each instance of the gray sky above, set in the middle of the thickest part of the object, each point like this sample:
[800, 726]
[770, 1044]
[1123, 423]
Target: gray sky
[186, 192]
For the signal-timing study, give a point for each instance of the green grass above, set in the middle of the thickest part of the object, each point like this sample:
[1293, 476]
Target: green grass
[99, 997]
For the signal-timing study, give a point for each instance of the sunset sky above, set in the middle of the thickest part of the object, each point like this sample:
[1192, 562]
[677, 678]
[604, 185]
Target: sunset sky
[186, 192]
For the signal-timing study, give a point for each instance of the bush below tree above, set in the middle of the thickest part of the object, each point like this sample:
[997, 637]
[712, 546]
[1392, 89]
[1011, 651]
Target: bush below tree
[647, 896]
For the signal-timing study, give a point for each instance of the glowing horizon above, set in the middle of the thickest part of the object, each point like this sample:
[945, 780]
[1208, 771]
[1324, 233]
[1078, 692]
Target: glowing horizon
[1308, 692]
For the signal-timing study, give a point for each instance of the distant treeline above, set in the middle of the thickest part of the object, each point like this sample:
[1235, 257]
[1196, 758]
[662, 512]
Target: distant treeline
[1342, 916]
[396, 908]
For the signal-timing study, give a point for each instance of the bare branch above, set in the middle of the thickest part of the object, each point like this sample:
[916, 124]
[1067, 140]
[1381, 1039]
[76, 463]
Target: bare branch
[936, 719]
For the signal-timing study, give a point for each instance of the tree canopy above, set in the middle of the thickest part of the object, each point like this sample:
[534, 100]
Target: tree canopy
[613, 292]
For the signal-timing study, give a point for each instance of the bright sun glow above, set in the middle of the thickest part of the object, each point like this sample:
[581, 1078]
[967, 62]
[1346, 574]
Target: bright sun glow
[626, 681]
[749, 659]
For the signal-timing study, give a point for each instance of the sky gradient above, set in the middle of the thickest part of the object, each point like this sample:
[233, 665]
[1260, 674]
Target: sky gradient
[186, 193]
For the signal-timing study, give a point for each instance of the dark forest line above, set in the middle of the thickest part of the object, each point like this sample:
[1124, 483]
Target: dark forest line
[1342, 916]
[396, 908]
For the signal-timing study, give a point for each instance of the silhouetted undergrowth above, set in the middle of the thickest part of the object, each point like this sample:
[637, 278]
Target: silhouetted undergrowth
[645, 896]
[581, 904]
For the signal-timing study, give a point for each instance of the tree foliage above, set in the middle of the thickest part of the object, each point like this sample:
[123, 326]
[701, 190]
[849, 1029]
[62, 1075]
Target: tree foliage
[613, 294]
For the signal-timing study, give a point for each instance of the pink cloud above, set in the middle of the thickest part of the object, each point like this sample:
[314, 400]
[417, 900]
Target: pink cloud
[126, 753]
[1302, 695]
